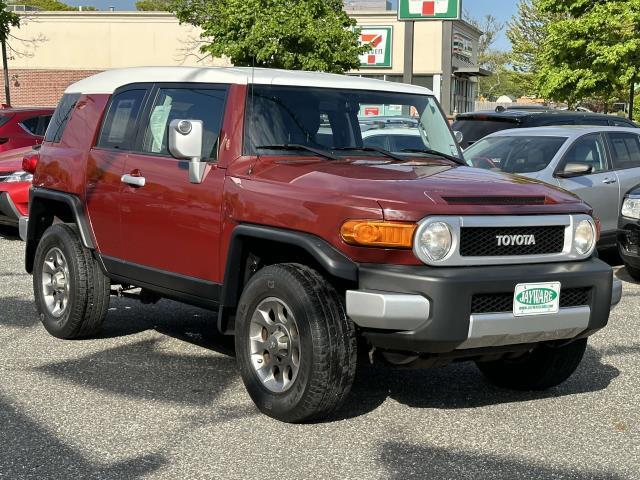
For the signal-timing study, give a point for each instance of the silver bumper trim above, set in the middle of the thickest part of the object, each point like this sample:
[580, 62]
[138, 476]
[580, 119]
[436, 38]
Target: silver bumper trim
[497, 329]
[23, 226]
[616, 293]
[388, 311]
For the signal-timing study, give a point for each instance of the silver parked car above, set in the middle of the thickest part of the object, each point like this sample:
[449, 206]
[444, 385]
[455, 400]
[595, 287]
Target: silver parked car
[599, 164]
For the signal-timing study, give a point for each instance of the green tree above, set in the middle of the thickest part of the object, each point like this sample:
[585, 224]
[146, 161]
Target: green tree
[48, 5]
[591, 50]
[8, 20]
[154, 5]
[527, 31]
[291, 34]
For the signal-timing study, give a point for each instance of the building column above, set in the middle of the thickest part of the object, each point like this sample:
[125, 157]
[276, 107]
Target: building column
[437, 87]
[447, 67]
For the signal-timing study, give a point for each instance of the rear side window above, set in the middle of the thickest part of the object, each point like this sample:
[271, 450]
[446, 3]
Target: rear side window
[36, 125]
[206, 104]
[626, 150]
[475, 129]
[60, 117]
[119, 126]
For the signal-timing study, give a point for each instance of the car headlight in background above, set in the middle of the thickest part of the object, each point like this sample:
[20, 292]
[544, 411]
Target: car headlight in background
[433, 241]
[18, 177]
[631, 208]
[584, 239]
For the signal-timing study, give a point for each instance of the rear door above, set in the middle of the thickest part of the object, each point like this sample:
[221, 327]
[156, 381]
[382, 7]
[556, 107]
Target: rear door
[625, 153]
[599, 188]
[106, 165]
[171, 226]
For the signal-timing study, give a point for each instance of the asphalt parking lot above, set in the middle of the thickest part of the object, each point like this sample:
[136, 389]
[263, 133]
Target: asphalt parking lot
[158, 396]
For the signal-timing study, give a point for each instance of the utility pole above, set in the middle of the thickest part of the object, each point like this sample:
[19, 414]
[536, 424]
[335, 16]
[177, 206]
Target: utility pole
[632, 98]
[409, 36]
[5, 67]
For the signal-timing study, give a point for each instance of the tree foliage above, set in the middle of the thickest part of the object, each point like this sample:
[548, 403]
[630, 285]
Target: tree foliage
[291, 34]
[8, 20]
[591, 50]
[527, 31]
[154, 5]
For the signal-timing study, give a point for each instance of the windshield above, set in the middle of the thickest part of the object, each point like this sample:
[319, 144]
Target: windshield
[341, 120]
[526, 154]
[473, 129]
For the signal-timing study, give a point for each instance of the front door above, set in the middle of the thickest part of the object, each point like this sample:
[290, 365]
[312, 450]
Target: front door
[599, 188]
[170, 226]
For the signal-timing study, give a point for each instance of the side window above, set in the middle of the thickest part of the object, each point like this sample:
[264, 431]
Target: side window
[43, 123]
[30, 124]
[119, 126]
[61, 116]
[626, 150]
[621, 123]
[588, 150]
[206, 104]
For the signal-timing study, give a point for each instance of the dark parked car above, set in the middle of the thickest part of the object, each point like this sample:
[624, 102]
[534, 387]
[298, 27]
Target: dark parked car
[629, 232]
[23, 127]
[477, 125]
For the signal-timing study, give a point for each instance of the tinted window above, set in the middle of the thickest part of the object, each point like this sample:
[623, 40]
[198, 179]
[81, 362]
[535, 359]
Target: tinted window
[618, 122]
[475, 129]
[514, 154]
[588, 150]
[31, 124]
[592, 121]
[185, 104]
[37, 125]
[61, 116]
[119, 126]
[626, 150]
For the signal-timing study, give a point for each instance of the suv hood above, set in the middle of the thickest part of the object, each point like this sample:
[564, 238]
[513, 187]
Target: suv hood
[410, 191]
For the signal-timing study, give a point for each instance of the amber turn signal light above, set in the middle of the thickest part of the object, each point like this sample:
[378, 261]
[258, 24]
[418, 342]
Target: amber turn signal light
[376, 233]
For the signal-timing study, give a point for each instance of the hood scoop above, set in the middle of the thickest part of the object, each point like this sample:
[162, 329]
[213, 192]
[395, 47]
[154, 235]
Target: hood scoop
[496, 200]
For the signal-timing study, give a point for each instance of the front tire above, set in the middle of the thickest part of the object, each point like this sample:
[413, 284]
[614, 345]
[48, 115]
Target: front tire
[295, 346]
[542, 368]
[71, 292]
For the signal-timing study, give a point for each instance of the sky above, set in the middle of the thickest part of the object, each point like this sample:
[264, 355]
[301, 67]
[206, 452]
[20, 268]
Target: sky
[503, 10]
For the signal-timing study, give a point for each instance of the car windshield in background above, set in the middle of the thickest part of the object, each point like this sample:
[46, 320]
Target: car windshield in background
[473, 129]
[343, 121]
[518, 154]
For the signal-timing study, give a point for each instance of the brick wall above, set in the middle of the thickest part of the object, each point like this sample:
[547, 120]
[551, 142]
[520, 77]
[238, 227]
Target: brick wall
[39, 87]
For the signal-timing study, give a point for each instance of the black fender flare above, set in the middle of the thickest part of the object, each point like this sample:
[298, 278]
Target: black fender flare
[41, 216]
[334, 262]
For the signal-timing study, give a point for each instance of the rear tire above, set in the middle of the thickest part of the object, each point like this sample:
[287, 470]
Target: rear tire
[543, 368]
[289, 312]
[71, 292]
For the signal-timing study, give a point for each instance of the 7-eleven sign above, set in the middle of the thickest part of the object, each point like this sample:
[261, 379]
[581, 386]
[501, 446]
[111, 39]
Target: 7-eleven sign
[380, 41]
[429, 9]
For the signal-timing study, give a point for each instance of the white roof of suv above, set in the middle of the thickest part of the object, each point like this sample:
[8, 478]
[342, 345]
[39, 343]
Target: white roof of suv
[109, 81]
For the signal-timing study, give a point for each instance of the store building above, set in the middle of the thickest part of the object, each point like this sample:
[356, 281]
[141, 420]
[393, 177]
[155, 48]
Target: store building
[63, 47]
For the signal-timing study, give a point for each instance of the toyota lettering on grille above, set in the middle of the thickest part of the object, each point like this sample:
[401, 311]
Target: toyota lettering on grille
[519, 240]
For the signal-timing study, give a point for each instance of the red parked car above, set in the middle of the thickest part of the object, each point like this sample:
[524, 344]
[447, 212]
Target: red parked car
[23, 127]
[14, 185]
[216, 187]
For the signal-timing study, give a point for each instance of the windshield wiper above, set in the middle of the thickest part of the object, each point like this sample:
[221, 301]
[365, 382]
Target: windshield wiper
[379, 150]
[297, 146]
[436, 153]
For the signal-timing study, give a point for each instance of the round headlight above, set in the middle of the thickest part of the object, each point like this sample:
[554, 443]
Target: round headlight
[585, 237]
[434, 241]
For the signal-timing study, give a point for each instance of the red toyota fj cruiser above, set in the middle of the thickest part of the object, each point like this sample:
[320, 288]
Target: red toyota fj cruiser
[250, 192]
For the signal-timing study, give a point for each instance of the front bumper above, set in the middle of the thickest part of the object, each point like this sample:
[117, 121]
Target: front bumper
[429, 310]
[9, 213]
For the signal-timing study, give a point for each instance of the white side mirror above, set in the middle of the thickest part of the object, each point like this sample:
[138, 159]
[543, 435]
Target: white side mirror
[185, 143]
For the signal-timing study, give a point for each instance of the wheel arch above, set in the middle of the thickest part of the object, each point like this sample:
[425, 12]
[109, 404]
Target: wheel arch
[46, 205]
[255, 246]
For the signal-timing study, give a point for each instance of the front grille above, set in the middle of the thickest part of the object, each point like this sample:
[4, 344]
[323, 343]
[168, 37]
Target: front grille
[483, 242]
[503, 302]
